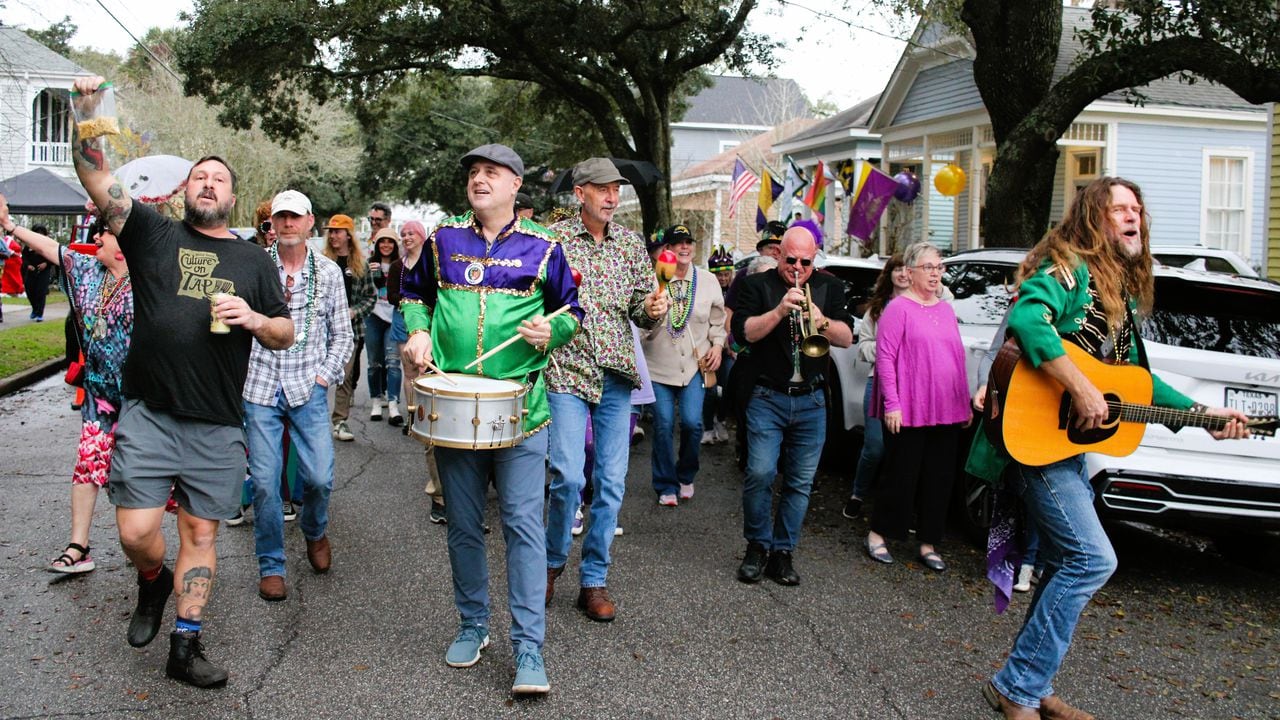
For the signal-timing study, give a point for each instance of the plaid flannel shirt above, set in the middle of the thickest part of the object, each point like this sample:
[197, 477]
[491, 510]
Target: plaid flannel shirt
[329, 341]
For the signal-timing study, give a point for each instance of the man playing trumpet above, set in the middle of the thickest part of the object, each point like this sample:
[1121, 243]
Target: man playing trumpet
[485, 276]
[788, 404]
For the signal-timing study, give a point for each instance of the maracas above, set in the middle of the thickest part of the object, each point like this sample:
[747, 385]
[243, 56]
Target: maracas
[665, 268]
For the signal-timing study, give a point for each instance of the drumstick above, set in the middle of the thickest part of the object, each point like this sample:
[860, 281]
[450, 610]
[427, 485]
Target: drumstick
[508, 341]
[432, 367]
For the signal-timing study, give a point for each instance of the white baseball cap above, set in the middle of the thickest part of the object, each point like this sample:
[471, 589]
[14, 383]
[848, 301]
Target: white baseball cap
[291, 201]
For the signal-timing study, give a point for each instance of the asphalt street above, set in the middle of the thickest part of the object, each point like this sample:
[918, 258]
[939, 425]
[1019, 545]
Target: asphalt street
[1181, 631]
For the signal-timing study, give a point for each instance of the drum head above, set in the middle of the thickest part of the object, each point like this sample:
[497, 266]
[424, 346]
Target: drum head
[467, 386]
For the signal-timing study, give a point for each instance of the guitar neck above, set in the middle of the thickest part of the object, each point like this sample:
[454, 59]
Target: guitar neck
[1133, 412]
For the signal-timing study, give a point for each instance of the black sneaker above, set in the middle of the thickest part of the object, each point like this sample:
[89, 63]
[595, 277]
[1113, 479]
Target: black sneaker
[187, 662]
[852, 508]
[239, 518]
[752, 566]
[290, 512]
[779, 568]
[437, 514]
[152, 597]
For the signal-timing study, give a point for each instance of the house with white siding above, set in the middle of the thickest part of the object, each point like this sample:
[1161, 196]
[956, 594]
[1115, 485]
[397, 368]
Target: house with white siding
[1273, 202]
[35, 92]
[1198, 151]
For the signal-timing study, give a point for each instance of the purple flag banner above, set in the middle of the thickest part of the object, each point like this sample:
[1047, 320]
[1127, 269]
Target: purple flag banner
[875, 190]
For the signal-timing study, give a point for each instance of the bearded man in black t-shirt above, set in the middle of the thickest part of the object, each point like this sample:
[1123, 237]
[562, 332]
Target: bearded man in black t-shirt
[180, 429]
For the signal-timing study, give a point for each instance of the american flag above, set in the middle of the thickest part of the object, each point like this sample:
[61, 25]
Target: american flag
[743, 179]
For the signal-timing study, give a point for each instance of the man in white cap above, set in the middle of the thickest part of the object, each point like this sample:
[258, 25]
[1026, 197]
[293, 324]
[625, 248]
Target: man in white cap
[591, 378]
[180, 426]
[291, 386]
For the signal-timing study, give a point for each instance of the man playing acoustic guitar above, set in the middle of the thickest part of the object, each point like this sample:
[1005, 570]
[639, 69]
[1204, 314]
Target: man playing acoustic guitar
[1081, 283]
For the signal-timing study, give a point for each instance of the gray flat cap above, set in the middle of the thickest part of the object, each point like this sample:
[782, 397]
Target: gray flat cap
[495, 153]
[597, 171]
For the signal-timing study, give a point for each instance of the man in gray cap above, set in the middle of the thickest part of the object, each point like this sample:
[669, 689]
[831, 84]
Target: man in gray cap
[524, 206]
[484, 276]
[591, 378]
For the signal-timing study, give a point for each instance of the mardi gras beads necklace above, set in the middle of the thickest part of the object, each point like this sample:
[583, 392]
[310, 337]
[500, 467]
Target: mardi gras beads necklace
[106, 293]
[309, 310]
[682, 294]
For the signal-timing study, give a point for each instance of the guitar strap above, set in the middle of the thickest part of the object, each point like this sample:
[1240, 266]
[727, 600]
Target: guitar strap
[1136, 338]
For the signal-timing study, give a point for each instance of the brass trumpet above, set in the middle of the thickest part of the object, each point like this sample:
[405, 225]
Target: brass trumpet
[814, 344]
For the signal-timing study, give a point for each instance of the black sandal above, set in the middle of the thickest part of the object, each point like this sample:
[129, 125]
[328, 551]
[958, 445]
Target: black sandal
[67, 565]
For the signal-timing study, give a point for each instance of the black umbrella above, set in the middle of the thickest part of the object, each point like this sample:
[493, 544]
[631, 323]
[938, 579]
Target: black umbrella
[637, 172]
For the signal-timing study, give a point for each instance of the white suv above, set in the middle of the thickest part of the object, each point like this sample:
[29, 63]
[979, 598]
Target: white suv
[1215, 338]
[1199, 257]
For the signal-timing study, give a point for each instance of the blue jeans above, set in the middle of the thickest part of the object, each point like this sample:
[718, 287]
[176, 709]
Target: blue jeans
[872, 447]
[670, 473]
[519, 471]
[775, 420]
[309, 435]
[1078, 561]
[610, 424]
[384, 359]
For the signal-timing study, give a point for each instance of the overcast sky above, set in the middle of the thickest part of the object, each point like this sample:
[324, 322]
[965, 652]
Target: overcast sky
[834, 53]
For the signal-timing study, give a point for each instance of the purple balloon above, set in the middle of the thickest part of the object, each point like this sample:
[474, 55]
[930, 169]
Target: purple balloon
[813, 229]
[908, 186]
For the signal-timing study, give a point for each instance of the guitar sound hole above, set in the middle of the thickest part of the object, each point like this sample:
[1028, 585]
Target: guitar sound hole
[1067, 422]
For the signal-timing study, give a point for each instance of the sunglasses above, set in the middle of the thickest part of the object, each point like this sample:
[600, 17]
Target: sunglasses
[806, 262]
[265, 227]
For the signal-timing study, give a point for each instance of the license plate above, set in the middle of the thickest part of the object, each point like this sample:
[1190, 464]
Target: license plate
[1251, 402]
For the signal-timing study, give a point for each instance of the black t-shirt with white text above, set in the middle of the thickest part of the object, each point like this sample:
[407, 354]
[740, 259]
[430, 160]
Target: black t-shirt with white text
[175, 364]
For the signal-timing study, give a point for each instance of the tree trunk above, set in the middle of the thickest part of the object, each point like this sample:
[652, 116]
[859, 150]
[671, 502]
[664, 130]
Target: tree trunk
[1019, 195]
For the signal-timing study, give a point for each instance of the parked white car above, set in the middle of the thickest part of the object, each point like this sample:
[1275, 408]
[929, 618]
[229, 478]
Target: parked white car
[1214, 337]
[1199, 257]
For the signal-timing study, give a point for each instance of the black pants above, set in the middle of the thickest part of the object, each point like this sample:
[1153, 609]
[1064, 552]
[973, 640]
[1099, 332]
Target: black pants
[37, 284]
[919, 469]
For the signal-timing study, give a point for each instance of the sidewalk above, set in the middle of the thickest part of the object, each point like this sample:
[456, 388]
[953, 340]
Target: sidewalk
[19, 315]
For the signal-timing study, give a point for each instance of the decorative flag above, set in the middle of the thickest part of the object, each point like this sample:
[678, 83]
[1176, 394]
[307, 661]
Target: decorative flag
[844, 171]
[743, 179]
[816, 196]
[791, 186]
[875, 190]
[769, 191]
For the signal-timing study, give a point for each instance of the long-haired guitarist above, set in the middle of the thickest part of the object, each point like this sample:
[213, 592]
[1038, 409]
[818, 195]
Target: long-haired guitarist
[1082, 284]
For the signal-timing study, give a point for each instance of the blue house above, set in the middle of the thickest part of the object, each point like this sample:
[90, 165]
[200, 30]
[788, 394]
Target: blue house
[1198, 151]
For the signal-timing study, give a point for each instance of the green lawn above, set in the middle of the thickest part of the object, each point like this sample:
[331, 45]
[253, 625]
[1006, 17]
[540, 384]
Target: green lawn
[54, 299]
[29, 345]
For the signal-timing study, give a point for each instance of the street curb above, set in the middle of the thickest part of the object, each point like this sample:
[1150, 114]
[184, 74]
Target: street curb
[31, 375]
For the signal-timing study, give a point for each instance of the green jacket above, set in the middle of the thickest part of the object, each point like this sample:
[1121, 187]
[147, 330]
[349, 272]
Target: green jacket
[1051, 304]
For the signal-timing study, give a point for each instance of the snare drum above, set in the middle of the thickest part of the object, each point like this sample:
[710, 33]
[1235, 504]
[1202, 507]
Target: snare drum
[472, 412]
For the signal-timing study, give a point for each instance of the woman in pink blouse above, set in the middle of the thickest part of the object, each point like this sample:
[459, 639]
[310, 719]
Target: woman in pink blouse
[923, 400]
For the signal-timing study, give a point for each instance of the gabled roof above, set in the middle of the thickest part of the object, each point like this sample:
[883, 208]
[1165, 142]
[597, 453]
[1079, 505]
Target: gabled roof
[1165, 92]
[732, 100]
[856, 117]
[751, 151]
[19, 53]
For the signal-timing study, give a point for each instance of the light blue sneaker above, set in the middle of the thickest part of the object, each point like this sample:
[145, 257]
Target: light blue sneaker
[531, 676]
[465, 650]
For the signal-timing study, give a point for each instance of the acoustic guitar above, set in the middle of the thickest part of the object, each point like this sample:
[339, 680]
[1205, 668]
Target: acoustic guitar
[1029, 414]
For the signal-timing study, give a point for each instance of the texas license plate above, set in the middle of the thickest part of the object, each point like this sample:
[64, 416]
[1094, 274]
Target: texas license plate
[1251, 402]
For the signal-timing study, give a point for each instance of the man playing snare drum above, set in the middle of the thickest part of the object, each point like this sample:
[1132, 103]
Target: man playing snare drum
[486, 276]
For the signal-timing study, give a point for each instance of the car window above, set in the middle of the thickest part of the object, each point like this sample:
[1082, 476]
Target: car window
[982, 291]
[1204, 264]
[1210, 316]
[859, 282]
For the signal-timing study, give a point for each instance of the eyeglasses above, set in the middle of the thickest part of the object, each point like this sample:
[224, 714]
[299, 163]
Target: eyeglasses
[375, 220]
[265, 227]
[288, 288]
[806, 262]
[930, 268]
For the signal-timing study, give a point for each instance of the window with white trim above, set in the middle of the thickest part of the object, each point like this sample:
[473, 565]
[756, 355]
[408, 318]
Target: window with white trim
[1226, 201]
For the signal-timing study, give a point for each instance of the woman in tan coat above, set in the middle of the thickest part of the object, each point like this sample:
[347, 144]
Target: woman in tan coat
[683, 353]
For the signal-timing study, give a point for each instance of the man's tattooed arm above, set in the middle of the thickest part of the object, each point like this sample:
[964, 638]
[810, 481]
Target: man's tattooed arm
[106, 192]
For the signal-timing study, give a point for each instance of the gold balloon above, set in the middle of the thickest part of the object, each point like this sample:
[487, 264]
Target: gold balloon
[950, 180]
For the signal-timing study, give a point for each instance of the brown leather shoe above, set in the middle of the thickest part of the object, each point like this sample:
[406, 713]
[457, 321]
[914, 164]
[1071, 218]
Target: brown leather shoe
[596, 602]
[1053, 708]
[319, 554]
[272, 588]
[1003, 705]
[552, 574]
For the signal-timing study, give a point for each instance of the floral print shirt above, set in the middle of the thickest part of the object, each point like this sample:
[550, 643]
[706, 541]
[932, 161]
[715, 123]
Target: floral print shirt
[616, 277]
[105, 308]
